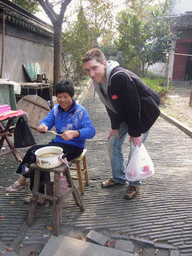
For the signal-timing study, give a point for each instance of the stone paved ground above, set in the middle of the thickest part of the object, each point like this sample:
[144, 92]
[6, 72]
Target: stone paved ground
[177, 103]
[161, 212]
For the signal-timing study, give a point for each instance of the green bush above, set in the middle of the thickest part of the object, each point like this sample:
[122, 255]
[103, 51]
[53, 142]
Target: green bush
[158, 85]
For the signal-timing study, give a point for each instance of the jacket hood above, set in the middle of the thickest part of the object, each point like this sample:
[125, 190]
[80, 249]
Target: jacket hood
[111, 64]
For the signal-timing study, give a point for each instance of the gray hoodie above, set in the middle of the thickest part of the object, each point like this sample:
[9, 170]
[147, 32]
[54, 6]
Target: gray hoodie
[101, 88]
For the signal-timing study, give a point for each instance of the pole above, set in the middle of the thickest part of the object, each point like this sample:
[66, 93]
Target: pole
[3, 39]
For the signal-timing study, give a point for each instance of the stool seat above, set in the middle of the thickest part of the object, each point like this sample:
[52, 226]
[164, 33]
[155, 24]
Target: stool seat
[82, 169]
[53, 193]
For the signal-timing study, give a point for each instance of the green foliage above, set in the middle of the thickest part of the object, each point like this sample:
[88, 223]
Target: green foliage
[83, 34]
[29, 5]
[143, 39]
[75, 42]
[157, 85]
[100, 18]
[109, 51]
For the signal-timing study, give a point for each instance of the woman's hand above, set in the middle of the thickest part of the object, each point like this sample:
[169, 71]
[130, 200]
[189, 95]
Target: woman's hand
[42, 128]
[69, 135]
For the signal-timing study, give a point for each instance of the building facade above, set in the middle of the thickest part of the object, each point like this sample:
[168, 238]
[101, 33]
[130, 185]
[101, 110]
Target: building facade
[24, 38]
[182, 28]
[181, 55]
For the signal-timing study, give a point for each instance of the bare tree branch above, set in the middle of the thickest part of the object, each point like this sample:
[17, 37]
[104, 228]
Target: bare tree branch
[56, 20]
[47, 7]
[63, 9]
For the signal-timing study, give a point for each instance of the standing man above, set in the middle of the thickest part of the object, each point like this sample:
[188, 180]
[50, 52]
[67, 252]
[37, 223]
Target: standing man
[132, 107]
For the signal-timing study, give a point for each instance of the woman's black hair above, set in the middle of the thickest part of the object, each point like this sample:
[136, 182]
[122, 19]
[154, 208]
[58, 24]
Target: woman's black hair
[65, 86]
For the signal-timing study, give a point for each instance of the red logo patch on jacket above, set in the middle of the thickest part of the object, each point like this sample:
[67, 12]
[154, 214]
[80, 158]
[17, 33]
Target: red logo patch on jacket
[114, 97]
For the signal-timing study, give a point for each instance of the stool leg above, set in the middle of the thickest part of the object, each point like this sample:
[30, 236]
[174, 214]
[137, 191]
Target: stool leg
[34, 199]
[79, 174]
[78, 200]
[76, 194]
[57, 209]
[49, 186]
[31, 213]
[86, 170]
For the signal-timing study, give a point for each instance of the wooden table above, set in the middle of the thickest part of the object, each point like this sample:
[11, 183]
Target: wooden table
[5, 133]
[42, 89]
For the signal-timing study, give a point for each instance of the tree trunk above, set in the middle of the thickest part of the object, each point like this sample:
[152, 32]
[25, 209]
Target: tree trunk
[57, 21]
[57, 54]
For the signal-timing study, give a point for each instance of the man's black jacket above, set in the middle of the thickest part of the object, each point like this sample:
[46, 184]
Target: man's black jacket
[134, 102]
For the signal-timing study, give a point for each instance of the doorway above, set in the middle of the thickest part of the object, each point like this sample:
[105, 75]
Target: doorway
[188, 67]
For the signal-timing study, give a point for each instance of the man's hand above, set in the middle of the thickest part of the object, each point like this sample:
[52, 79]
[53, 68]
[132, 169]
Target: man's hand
[69, 135]
[136, 141]
[114, 133]
[42, 128]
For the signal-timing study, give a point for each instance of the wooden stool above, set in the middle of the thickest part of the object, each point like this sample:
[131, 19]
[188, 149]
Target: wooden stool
[82, 159]
[53, 193]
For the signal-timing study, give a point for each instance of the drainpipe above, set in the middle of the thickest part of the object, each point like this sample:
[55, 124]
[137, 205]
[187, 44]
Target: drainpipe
[3, 38]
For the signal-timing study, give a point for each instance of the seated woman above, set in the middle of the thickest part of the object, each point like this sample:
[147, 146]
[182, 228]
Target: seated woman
[73, 125]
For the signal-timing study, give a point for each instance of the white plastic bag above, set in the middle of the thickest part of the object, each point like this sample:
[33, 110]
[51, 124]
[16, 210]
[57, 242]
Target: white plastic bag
[140, 166]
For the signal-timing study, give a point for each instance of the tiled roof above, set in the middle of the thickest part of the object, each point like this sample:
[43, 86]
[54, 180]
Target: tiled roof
[184, 21]
[17, 16]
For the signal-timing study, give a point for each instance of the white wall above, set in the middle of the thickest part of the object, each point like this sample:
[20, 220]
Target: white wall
[20, 51]
[180, 6]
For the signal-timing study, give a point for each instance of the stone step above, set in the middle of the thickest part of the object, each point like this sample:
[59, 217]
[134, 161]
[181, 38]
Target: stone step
[4, 251]
[67, 246]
